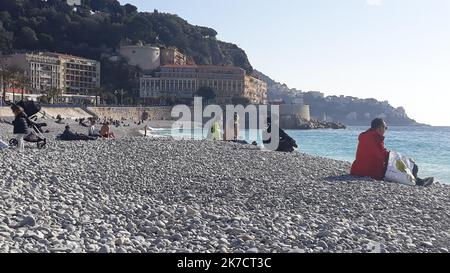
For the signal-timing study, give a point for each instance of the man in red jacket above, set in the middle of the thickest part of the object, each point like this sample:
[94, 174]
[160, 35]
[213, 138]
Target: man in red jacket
[372, 157]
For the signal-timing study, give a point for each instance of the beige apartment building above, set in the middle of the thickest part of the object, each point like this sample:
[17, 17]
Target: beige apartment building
[255, 90]
[181, 82]
[45, 71]
[79, 75]
[172, 56]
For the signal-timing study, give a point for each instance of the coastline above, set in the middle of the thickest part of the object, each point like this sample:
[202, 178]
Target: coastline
[138, 194]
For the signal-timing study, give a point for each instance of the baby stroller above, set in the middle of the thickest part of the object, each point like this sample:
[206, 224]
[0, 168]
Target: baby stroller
[31, 109]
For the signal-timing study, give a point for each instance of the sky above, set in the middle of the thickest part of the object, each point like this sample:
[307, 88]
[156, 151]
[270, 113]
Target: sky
[394, 50]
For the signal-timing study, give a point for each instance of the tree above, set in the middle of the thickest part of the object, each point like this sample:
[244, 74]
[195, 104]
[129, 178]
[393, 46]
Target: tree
[129, 9]
[12, 76]
[6, 39]
[108, 97]
[27, 38]
[128, 101]
[98, 92]
[53, 93]
[240, 101]
[21, 82]
[207, 93]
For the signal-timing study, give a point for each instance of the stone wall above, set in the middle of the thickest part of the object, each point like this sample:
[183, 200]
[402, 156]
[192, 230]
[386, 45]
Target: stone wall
[52, 112]
[5, 112]
[134, 113]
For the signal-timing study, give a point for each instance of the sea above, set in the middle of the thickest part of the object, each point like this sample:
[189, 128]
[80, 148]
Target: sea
[428, 146]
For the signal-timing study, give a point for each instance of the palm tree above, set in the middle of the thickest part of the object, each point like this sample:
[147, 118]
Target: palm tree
[22, 82]
[206, 93]
[53, 93]
[10, 76]
[108, 97]
[99, 92]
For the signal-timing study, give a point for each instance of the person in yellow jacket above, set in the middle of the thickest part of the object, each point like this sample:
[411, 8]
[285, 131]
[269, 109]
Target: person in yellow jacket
[215, 132]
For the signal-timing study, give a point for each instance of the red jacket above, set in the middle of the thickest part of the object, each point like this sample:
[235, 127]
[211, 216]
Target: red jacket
[371, 156]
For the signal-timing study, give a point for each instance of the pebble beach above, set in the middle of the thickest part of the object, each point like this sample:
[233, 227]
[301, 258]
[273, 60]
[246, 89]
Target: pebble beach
[139, 195]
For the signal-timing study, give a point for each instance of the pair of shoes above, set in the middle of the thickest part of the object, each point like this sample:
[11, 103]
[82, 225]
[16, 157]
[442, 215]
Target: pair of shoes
[425, 182]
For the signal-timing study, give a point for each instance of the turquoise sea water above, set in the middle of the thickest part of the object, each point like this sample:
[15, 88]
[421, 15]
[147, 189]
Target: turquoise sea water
[429, 146]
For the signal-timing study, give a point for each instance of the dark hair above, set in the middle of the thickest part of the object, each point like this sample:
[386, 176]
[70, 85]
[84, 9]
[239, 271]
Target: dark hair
[16, 108]
[377, 123]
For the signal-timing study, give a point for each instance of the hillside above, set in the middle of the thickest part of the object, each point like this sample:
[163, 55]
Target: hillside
[97, 28]
[348, 110]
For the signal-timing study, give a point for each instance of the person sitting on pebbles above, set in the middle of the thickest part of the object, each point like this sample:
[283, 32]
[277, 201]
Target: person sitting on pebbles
[68, 135]
[59, 119]
[93, 132]
[372, 157]
[286, 143]
[106, 132]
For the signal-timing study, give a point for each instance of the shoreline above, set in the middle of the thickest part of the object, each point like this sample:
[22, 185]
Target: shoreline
[136, 194]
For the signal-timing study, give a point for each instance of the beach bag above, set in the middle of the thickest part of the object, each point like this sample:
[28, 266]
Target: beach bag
[399, 170]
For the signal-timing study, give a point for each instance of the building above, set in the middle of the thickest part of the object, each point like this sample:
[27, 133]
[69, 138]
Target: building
[145, 57]
[172, 56]
[43, 71]
[295, 111]
[46, 71]
[80, 75]
[181, 82]
[255, 90]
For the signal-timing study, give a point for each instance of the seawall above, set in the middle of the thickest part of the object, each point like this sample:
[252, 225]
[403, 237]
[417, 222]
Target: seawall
[134, 113]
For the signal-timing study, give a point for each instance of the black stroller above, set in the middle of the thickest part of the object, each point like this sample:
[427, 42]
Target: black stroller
[31, 109]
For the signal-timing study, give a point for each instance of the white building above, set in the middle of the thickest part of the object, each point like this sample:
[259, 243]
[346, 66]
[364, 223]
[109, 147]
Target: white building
[45, 71]
[145, 57]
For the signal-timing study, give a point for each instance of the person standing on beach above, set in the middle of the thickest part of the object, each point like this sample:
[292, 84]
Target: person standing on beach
[231, 132]
[372, 157]
[215, 133]
[236, 126]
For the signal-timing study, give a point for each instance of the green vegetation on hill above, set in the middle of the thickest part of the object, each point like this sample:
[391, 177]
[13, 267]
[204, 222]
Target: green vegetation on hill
[97, 28]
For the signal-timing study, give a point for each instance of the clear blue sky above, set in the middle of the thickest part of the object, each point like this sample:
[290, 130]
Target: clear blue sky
[395, 50]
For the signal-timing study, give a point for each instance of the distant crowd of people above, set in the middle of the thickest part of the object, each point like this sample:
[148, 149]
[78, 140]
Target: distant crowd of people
[232, 130]
[372, 158]
[93, 133]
